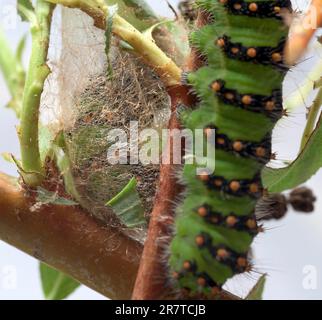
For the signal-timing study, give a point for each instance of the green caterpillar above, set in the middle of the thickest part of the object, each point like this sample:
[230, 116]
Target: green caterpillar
[240, 95]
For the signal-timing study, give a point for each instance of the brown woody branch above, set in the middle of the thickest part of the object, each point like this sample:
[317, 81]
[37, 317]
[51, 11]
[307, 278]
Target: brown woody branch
[151, 279]
[69, 240]
[151, 282]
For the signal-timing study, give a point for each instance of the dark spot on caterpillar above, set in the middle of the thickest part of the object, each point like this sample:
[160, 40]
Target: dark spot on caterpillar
[204, 280]
[272, 106]
[238, 262]
[261, 9]
[189, 266]
[203, 240]
[259, 151]
[261, 55]
[239, 188]
[245, 223]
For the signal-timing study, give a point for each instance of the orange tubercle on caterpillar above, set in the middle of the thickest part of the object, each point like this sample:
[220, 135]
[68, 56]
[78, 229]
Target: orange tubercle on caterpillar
[260, 152]
[231, 221]
[234, 186]
[202, 211]
[200, 240]
[254, 188]
[253, 7]
[222, 254]
[270, 105]
[221, 42]
[246, 99]
[187, 265]
[204, 176]
[216, 86]
[251, 224]
[238, 146]
[277, 57]
[229, 96]
[234, 50]
[237, 6]
[221, 141]
[251, 52]
[202, 282]
[218, 183]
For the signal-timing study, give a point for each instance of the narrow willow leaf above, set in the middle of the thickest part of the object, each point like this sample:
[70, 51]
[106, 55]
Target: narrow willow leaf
[136, 12]
[46, 140]
[257, 292]
[128, 207]
[55, 284]
[47, 197]
[13, 72]
[7, 157]
[21, 48]
[64, 166]
[302, 169]
[26, 10]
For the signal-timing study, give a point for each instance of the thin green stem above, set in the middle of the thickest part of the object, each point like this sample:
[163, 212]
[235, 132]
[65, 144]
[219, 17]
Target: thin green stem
[313, 114]
[32, 169]
[168, 71]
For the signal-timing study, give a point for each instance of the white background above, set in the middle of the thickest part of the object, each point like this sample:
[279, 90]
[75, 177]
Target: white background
[283, 251]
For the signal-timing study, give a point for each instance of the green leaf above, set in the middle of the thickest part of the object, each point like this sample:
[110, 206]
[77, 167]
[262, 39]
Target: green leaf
[257, 292]
[26, 10]
[7, 157]
[55, 284]
[302, 169]
[13, 72]
[128, 207]
[136, 12]
[63, 163]
[21, 48]
[47, 197]
[46, 140]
